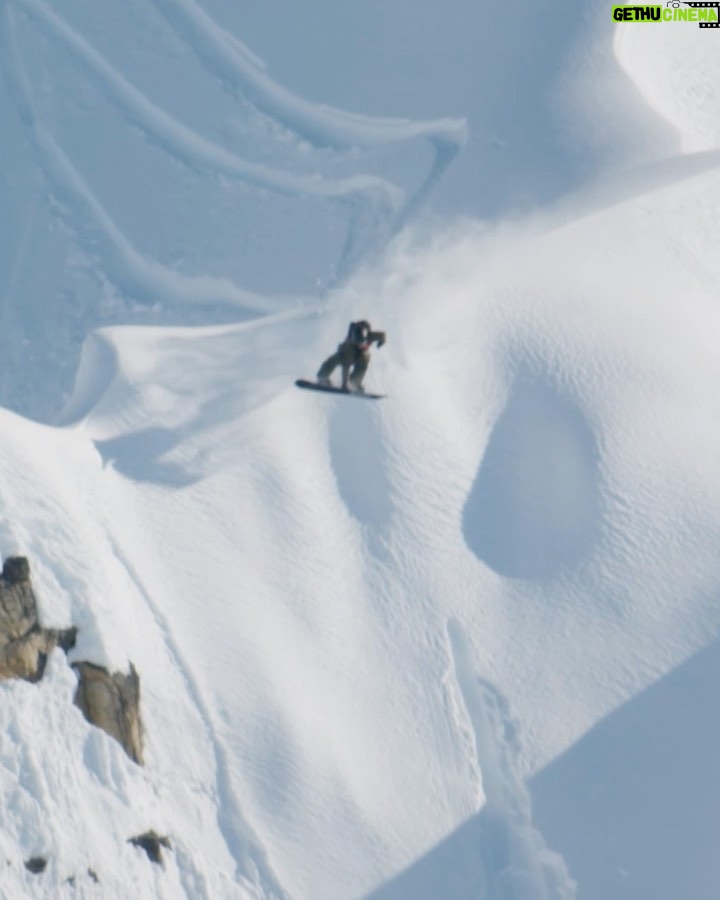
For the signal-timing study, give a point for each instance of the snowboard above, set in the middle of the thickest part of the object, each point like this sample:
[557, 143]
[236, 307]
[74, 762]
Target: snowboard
[331, 389]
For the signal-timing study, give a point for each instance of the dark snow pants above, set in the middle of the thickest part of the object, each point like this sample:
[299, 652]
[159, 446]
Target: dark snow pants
[353, 361]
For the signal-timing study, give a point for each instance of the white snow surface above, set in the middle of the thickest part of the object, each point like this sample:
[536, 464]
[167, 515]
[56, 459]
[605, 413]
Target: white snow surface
[458, 643]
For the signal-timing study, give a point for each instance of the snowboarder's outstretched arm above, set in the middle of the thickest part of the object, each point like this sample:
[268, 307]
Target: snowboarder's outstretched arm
[377, 337]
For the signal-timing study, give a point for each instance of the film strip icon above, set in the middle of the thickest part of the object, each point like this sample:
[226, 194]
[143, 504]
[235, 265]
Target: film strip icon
[701, 4]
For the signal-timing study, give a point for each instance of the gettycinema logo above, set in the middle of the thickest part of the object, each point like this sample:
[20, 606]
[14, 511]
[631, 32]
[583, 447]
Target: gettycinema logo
[707, 15]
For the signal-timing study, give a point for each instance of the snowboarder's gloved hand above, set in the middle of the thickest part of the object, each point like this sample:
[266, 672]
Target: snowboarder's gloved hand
[381, 340]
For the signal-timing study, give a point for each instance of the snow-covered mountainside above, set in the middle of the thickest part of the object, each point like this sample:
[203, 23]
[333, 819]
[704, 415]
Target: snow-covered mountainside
[459, 643]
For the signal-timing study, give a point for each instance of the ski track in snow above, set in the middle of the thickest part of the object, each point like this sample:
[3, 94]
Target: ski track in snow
[518, 865]
[145, 279]
[243, 844]
[367, 196]
[376, 206]
[321, 126]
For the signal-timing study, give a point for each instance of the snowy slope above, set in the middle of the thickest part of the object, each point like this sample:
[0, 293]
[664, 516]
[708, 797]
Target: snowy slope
[429, 648]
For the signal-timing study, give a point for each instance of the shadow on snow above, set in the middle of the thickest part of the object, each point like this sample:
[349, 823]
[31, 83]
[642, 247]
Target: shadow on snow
[632, 807]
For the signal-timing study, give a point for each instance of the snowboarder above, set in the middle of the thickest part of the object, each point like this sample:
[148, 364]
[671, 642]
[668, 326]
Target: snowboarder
[353, 356]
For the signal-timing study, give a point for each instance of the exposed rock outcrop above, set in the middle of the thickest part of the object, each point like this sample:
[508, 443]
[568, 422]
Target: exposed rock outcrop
[36, 864]
[152, 843]
[112, 702]
[24, 643]
[109, 701]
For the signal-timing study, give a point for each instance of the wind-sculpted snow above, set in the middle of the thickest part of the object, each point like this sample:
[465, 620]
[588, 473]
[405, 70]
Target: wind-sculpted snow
[363, 632]
[534, 508]
[676, 68]
[125, 270]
